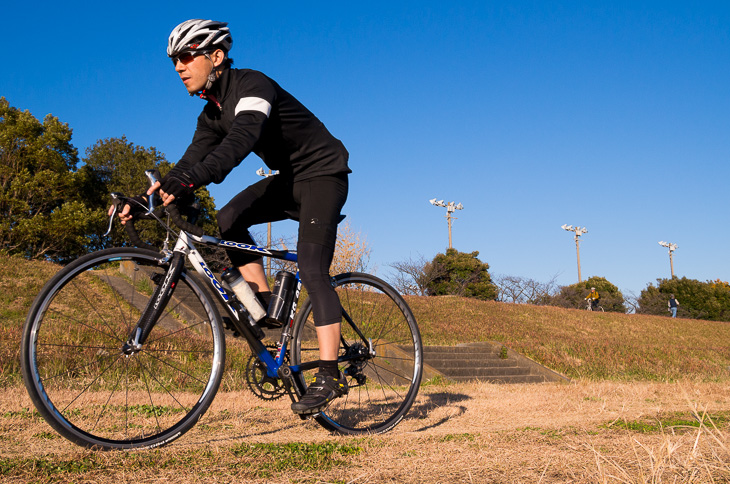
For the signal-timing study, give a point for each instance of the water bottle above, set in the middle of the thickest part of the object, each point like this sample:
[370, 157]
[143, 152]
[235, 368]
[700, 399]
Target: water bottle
[282, 297]
[244, 293]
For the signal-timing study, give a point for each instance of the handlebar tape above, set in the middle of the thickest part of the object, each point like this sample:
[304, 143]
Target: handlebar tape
[183, 224]
[176, 219]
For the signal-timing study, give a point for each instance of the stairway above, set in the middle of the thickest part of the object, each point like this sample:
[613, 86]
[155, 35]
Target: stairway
[487, 362]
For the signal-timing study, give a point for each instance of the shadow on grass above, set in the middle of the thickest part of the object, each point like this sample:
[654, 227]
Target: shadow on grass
[248, 435]
[421, 410]
[438, 400]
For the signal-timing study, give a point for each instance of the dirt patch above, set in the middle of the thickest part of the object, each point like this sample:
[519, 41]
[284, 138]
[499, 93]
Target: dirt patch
[549, 433]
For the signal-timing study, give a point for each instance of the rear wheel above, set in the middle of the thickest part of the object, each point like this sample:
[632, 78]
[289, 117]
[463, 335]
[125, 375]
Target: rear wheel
[82, 381]
[380, 355]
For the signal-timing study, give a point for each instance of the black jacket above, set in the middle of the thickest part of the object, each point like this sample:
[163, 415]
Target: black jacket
[249, 112]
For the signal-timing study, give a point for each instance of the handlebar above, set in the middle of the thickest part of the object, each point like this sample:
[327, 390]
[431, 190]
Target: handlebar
[183, 224]
[119, 200]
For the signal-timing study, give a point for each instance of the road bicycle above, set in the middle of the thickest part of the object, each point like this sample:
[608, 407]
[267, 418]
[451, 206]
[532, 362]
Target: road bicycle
[125, 347]
[590, 307]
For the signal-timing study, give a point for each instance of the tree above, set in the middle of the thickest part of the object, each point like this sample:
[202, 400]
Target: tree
[414, 275]
[461, 274]
[697, 300]
[42, 212]
[51, 209]
[515, 289]
[352, 252]
[117, 165]
[573, 296]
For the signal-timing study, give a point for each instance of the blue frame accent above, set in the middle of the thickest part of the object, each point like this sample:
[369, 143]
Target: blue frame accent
[272, 363]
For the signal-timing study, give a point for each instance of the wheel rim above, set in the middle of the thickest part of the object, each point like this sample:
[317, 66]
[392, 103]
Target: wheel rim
[93, 392]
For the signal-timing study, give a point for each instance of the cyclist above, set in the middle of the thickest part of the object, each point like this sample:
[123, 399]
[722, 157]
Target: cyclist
[246, 112]
[593, 298]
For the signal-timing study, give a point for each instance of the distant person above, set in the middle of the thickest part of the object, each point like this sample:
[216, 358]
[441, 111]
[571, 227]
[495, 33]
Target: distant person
[593, 298]
[673, 305]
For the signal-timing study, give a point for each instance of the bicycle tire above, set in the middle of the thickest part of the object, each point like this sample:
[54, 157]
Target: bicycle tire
[82, 383]
[391, 378]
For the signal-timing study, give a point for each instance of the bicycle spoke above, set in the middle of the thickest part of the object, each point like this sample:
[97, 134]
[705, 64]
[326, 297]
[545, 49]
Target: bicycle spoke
[88, 386]
[382, 385]
[81, 323]
[170, 365]
[167, 335]
[93, 307]
[104, 407]
[91, 391]
[149, 393]
[76, 369]
[119, 302]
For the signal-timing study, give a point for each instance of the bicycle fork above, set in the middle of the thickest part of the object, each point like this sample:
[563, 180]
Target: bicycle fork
[155, 306]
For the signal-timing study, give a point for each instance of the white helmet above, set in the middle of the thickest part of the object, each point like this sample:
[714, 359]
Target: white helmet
[198, 34]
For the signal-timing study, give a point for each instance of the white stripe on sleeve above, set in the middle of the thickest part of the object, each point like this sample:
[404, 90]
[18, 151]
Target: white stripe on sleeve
[253, 104]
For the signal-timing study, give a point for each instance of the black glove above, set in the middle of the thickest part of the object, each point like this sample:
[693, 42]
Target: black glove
[177, 184]
[137, 205]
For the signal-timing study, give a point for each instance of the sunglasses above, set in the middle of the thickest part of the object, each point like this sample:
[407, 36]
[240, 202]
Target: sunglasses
[187, 57]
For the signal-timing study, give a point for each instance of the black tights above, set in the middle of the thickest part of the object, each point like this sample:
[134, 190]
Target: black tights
[317, 203]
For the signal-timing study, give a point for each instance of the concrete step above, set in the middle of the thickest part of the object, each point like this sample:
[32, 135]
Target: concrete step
[462, 357]
[470, 362]
[461, 350]
[484, 361]
[504, 379]
[486, 372]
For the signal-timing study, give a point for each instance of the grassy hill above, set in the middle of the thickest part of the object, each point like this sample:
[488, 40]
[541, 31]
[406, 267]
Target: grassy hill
[579, 344]
[583, 344]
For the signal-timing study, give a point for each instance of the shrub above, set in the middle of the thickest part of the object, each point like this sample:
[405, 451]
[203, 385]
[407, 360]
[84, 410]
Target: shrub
[461, 274]
[697, 300]
[573, 296]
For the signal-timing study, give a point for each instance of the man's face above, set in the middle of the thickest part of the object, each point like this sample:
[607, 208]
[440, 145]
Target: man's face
[193, 71]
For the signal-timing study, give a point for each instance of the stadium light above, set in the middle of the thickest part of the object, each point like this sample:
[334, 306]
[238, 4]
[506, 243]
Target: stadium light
[451, 207]
[578, 232]
[261, 172]
[672, 247]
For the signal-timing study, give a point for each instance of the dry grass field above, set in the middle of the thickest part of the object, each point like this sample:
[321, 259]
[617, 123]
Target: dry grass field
[604, 432]
[649, 403]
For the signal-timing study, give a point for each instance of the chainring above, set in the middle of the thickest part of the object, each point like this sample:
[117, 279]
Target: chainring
[260, 384]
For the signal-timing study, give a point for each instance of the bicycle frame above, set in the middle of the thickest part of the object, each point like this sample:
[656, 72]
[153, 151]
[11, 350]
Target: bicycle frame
[272, 363]
[185, 249]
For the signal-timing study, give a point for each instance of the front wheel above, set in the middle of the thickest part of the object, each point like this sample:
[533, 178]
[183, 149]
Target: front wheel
[380, 354]
[83, 379]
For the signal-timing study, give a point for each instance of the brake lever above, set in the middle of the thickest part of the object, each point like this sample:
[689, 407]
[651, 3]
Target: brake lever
[116, 201]
[153, 176]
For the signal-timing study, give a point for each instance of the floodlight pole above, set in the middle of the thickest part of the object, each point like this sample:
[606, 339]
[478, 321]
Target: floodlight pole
[449, 218]
[264, 174]
[672, 248]
[450, 208]
[578, 232]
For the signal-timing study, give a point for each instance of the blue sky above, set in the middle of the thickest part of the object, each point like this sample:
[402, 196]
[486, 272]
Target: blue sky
[610, 115]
